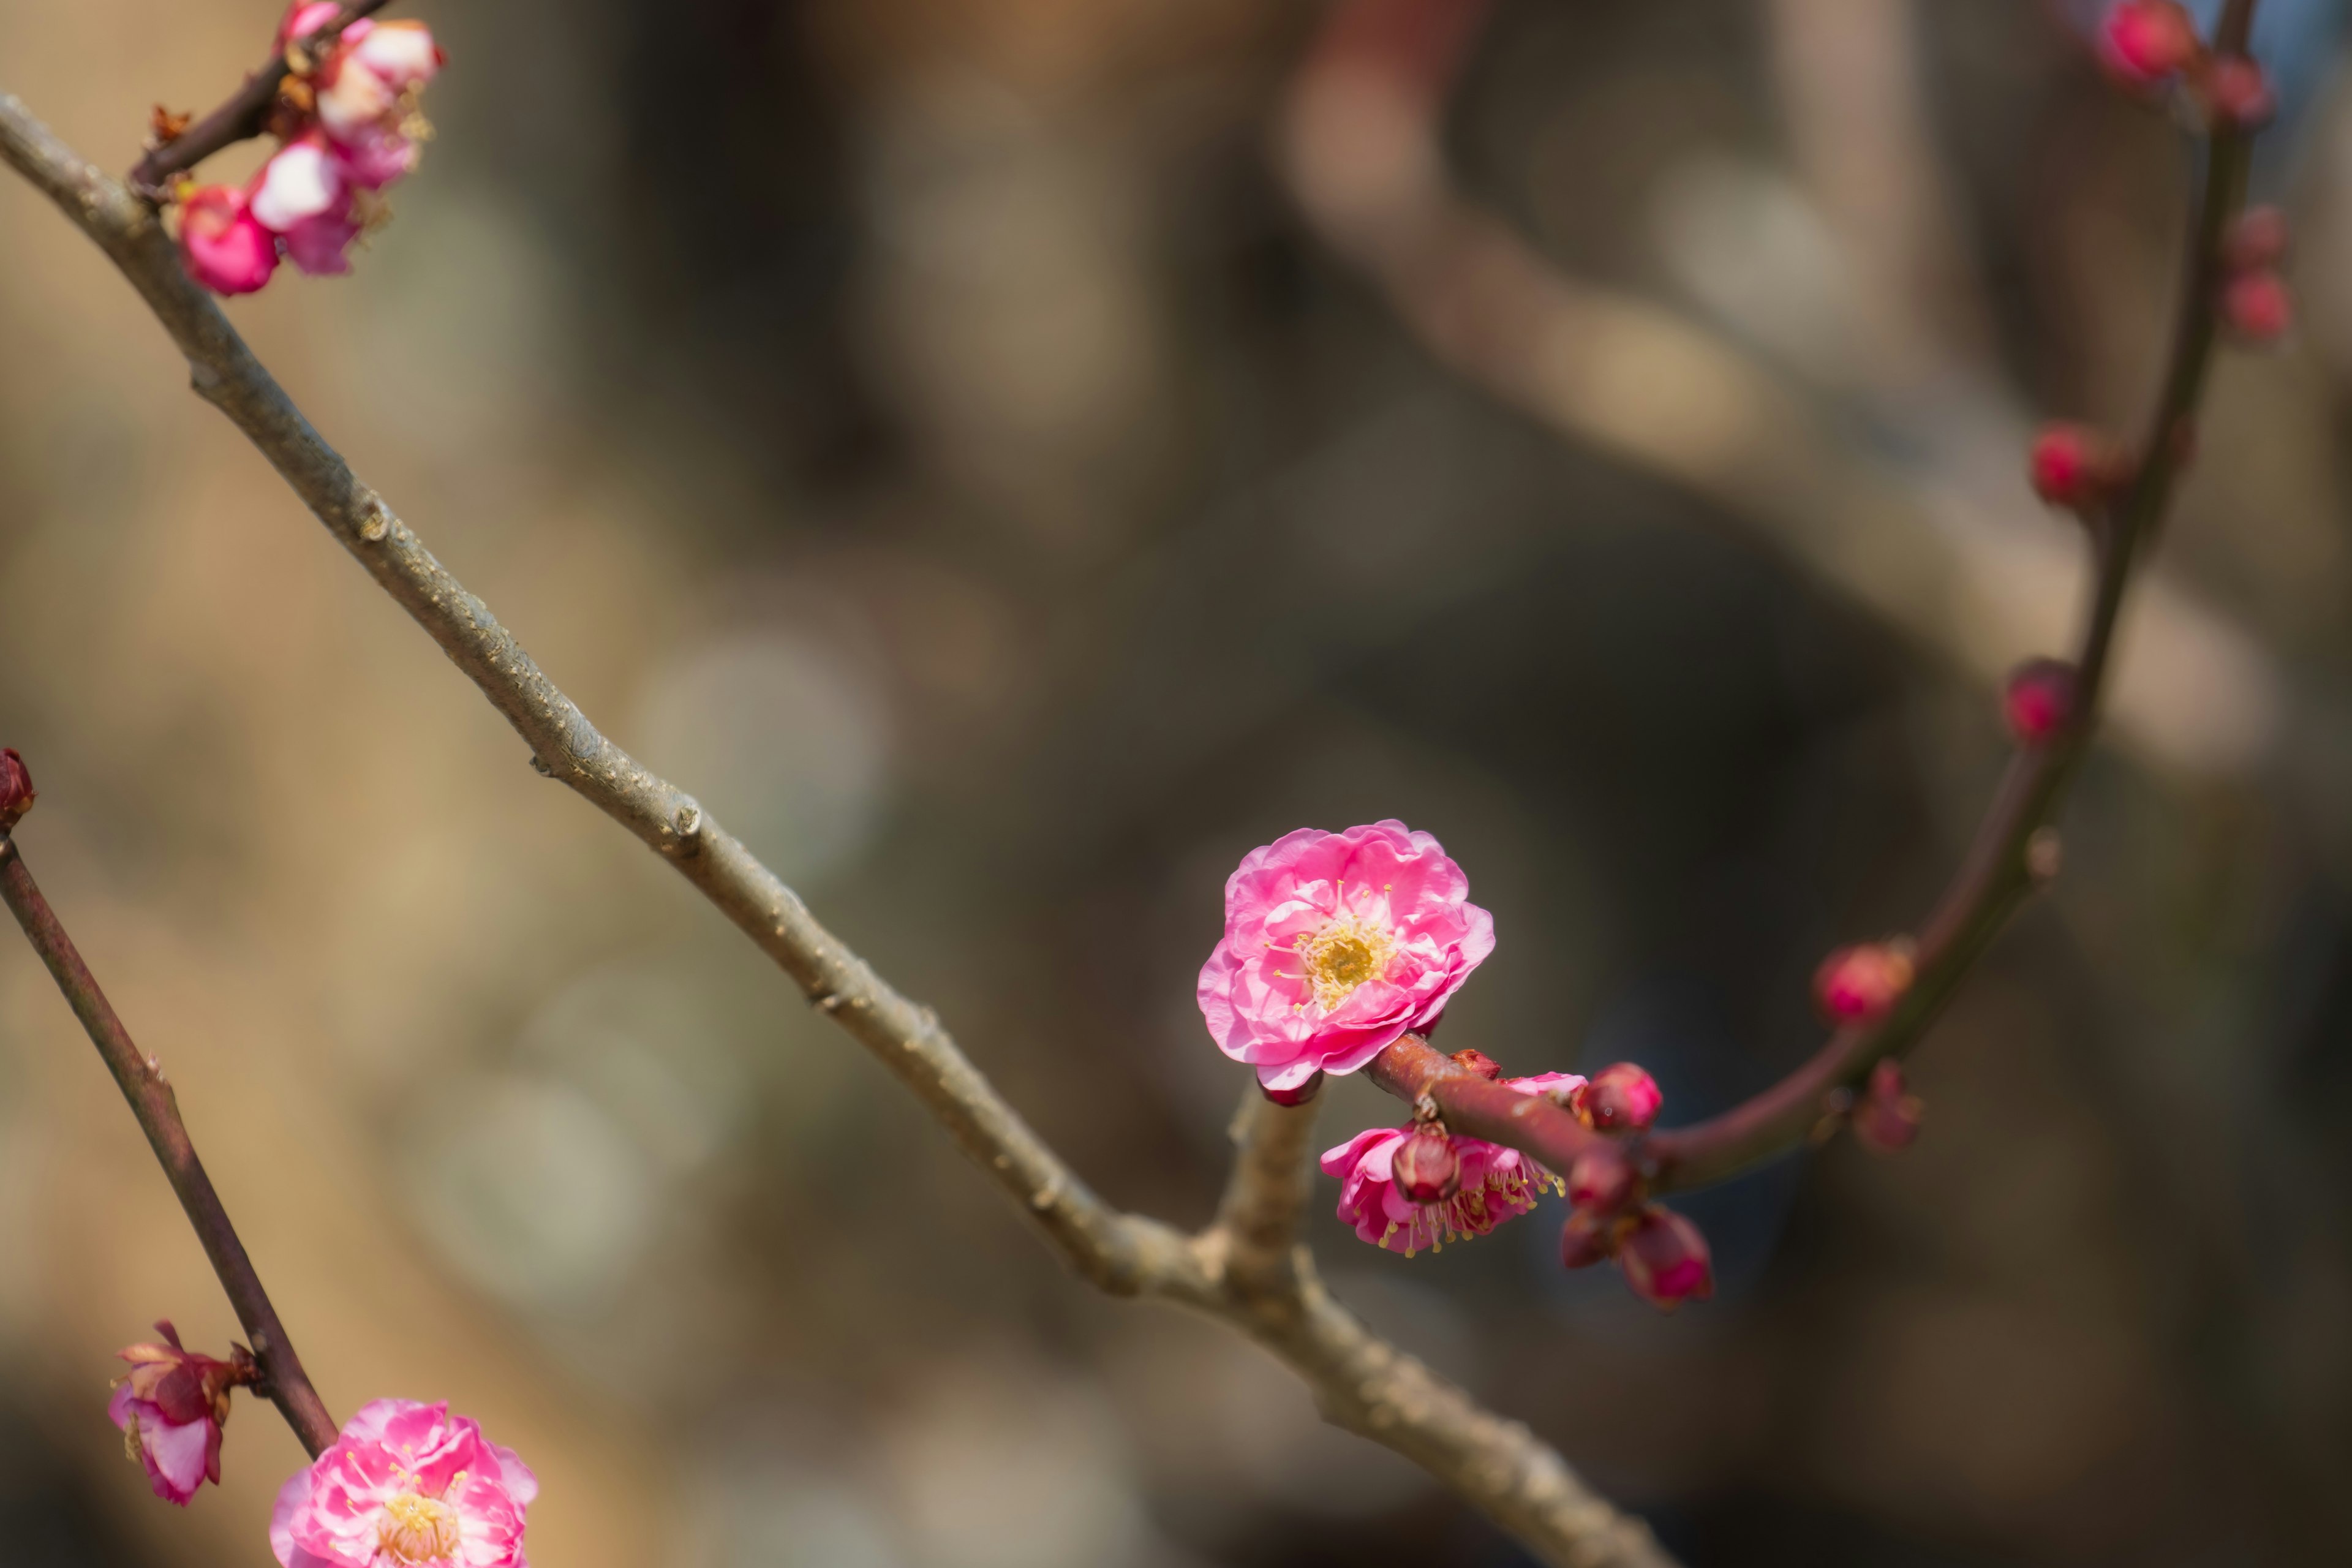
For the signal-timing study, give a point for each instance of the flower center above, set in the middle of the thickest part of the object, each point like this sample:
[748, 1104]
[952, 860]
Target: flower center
[1348, 951]
[418, 1530]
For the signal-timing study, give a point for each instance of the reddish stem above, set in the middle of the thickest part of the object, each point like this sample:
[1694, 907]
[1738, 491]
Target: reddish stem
[141, 1078]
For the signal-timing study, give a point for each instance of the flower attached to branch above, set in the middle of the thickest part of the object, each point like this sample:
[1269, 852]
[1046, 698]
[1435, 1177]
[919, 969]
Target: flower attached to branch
[1335, 945]
[15, 789]
[223, 245]
[1381, 1170]
[171, 1405]
[1622, 1098]
[405, 1485]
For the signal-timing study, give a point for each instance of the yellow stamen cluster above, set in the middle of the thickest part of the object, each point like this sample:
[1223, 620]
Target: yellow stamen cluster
[1348, 952]
[418, 1530]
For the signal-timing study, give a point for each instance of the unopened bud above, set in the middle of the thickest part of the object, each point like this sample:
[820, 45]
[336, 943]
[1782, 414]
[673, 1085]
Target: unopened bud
[1478, 1062]
[1665, 1259]
[1602, 1180]
[15, 790]
[2257, 240]
[2075, 468]
[2039, 700]
[1298, 1094]
[1426, 1170]
[1587, 1239]
[1857, 984]
[1620, 1098]
[1887, 1119]
[2143, 42]
[2256, 306]
[2046, 852]
[2239, 95]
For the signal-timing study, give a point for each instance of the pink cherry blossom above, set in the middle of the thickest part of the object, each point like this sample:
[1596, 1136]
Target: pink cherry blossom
[221, 243]
[1497, 1183]
[1335, 944]
[171, 1406]
[405, 1485]
[305, 194]
[366, 96]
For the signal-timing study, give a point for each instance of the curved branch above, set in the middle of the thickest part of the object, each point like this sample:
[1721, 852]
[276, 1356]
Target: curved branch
[1361, 1382]
[141, 1078]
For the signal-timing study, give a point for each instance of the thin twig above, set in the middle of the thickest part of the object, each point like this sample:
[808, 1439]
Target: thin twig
[1359, 1381]
[141, 1078]
[245, 114]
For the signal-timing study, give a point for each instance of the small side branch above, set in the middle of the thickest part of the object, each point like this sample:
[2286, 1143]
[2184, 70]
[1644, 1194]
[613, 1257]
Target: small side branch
[1264, 1197]
[141, 1078]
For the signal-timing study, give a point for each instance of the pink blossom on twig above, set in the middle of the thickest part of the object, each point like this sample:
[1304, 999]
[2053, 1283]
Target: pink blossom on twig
[1335, 945]
[221, 243]
[405, 1485]
[1493, 1184]
[171, 1406]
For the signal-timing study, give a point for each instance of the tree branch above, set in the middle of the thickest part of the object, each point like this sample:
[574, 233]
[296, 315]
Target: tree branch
[141, 1078]
[246, 112]
[1359, 1381]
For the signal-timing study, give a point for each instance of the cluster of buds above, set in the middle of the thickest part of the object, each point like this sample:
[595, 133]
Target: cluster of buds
[2149, 46]
[171, 1405]
[2254, 302]
[1661, 1255]
[349, 128]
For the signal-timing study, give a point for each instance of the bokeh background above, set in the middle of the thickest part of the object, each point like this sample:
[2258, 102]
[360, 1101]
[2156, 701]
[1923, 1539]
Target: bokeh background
[1011, 457]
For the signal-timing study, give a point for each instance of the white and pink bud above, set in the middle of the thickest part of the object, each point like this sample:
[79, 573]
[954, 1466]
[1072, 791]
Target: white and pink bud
[305, 194]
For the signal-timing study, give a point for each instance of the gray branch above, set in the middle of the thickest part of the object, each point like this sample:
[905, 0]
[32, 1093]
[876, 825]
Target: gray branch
[1246, 1270]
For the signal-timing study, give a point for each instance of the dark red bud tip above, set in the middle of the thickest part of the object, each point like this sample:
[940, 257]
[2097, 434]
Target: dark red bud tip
[1887, 1119]
[2144, 42]
[1665, 1259]
[1857, 984]
[2239, 95]
[1478, 1062]
[1587, 1239]
[2256, 307]
[2040, 699]
[2075, 468]
[1620, 1098]
[1299, 1095]
[1602, 1181]
[15, 790]
[1426, 1170]
[2257, 240]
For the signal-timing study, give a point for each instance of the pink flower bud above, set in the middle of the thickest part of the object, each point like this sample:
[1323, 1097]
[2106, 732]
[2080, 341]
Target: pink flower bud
[1425, 1167]
[1620, 1098]
[15, 790]
[2239, 95]
[1296, 1094]
[2256, 306]
[1886, 1119]
[2074, 467]
[2039, 700]
[305, 192]
[305, 17]
[1665, 1259]
[2258, 239]
[221, 245]
[1602, 1181]
[171, 1406]
[2143, 42]
[405, 1485]
[1478, 1062]
[1587, 1238]
[1857, 985]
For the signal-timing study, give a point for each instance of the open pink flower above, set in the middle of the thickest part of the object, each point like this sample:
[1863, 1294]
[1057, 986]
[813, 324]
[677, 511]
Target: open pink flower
[224, 246]
[171, 1406]
[1497, 1183]
[1337, 943]
[405, 1485]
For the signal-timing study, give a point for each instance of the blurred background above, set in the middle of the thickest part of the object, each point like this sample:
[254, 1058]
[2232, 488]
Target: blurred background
[1009, 457]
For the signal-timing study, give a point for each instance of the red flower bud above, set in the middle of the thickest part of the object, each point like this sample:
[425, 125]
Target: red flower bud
[1602, 1181]
[1586, 1239]
[171, 1406]
[2256, 306]
[1886, 1119]
[2040, 699]
[1299, 1096]
[1857, 984]
[2142, 42]
[1620, 1098]
[15, 790]
[1665, 1259]
[1478, 1062]
[2239, 95]
[1426, 1169]
[2075, 468]
[2257, 240]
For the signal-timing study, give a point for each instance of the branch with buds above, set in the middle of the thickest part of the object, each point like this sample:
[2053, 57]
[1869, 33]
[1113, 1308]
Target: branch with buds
[1340, 955]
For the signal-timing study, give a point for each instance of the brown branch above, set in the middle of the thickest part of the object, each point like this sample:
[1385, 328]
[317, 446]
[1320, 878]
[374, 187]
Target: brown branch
[1265, 1195]
[1359, 1381]
[141, 1078]
[245, 114]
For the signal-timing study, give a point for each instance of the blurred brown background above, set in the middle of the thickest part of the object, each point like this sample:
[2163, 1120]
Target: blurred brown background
[931, 431]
